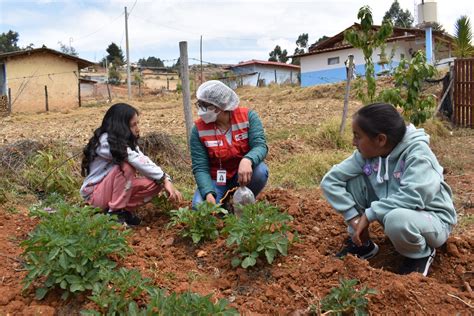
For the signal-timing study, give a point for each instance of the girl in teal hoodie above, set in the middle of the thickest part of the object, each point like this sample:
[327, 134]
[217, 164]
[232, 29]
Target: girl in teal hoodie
[394, 178]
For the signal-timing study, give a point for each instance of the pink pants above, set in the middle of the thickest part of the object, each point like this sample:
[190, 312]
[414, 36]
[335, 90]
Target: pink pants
[121, 189]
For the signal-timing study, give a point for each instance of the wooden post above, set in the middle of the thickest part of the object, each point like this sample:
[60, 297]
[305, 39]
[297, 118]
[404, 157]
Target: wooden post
[9, 100]
[108, 91]
[140, 84]
[184, 74]
[46, 97]
[346, 96]
[78, 75]
[258, 80]
[167, 83]
[276, 76]
[291, 76]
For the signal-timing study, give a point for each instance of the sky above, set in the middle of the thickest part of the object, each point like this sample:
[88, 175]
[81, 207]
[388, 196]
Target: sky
[232, 30]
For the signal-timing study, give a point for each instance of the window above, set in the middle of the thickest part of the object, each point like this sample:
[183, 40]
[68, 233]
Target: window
[333, 60]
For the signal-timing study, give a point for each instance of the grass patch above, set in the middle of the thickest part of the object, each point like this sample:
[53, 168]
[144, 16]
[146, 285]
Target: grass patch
[305, 169]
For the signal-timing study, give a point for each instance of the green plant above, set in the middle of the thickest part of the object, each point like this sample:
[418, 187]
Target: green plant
[368, 39]
[69, 247]
[117, 292]
[463, 46]
[53, 171]
[261, 229]
[186, 303]
[347, 300]
[198, 224]
[407, 94]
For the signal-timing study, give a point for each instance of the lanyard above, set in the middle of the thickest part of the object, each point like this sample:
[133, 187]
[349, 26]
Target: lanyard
[218, 142]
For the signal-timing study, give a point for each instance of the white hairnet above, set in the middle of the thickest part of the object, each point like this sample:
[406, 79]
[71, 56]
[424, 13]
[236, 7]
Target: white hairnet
[218, 94]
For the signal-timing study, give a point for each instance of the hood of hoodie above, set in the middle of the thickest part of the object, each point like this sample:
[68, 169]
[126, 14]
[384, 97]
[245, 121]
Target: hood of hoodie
[412, 135]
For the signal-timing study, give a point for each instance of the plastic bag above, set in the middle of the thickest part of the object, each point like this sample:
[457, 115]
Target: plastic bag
[242, 196]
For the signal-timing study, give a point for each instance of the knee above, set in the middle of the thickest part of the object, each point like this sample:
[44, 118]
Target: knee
[396, 222]
[261, 171]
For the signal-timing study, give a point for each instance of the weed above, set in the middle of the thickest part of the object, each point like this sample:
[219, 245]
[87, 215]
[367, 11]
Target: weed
[53, 171]
[198, 224]
[69, 247]
[346, 300]
[261, 229]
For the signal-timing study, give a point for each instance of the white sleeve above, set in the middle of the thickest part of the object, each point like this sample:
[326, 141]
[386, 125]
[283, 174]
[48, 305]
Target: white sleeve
[144, 165]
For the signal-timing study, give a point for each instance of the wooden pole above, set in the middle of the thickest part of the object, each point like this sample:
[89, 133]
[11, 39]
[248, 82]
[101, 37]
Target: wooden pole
[46, 97]
[108, 91]
[78, 86]
[167, 83]
[9, 100]
[200, 54]
[184, 74]
[258, 79]
[129, 81]
[276, 76]
[346, 96]
[291, 76]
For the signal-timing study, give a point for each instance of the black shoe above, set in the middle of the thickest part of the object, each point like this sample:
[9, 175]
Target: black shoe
[364, 252]
[420, 265]
[126, 217]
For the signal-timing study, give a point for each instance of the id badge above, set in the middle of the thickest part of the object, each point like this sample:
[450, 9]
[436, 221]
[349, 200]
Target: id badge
[221, 177]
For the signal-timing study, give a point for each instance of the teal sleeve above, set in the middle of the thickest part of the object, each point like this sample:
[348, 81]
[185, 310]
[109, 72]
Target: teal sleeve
[200, 162]
[335, 181]
[258, 144]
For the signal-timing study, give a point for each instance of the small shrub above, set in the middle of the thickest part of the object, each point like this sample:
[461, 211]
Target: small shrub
[198, 224]
[329, 137]
[346, 300]
[117, 292]
[260, 230]
[53, 171]
[69, 247]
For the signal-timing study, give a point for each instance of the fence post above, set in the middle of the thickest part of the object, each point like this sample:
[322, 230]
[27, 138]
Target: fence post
[167, 83]
[184, 73]
[291, 76]
[108, 91]
[276, 76]
[46, 98]
[9, 100]
[258, 80]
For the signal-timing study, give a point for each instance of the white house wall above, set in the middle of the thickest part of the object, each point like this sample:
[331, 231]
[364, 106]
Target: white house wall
[266, 73]
[315, 69]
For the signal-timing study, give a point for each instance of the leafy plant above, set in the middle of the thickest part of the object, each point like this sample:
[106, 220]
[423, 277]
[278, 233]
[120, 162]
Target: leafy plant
[261, 229]
[368, 39]
[69, 247]
[198, 224]
[407, 94]
[53, 171]
[118, 291]
[347, 300]
[186, 303]
[463, 46]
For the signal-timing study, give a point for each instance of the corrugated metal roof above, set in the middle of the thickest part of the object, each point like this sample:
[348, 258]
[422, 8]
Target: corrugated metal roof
[81, 62]
[265, 63]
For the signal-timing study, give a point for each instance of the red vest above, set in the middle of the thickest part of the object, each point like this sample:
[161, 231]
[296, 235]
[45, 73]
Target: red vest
[223, 155]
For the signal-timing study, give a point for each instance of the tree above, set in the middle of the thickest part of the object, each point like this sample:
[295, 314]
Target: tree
[322, 38]
[67, 49]
[150, 62]
[115, 55]
[368, 40]
[463, 38]
[398, 16]
[8, 42]
[301, 46]
[278, 55]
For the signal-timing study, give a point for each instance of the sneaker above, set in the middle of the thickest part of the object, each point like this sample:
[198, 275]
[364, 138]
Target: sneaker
[364, 252]
[420, 265]
[126, 217]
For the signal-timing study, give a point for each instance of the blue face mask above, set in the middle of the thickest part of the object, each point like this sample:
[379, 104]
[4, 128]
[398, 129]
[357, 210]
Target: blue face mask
[209, 116]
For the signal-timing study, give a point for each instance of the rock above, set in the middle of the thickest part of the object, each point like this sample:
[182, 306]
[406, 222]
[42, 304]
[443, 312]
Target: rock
[453, 250]
[316, 229]
[201, 253]
[6, 296]
[168, 242]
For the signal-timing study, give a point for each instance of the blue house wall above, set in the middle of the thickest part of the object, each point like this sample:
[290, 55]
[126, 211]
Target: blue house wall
[334, 75]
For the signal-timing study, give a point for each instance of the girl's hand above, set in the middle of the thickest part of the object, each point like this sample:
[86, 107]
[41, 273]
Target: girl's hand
[362, 225]
[245, 171]
[173, 194]
[210, 198]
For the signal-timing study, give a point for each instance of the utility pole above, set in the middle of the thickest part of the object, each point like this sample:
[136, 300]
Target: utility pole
[200, 49]
[129, 83]
[349, 74]
[184, 74]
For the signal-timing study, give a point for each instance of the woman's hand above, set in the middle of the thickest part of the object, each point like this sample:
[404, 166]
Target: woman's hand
[245, 171]
[210, 198]
[173, 194]
[360, 227]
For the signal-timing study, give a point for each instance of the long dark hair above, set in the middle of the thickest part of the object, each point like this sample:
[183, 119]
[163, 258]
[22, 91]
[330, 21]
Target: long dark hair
[116, 123]
[381, 118]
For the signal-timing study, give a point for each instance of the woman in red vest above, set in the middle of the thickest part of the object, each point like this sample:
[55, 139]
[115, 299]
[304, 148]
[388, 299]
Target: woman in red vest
[228, 145]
